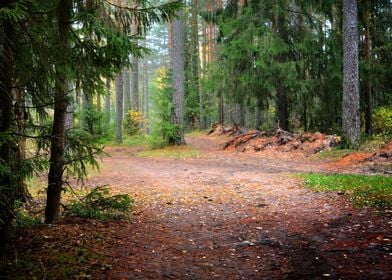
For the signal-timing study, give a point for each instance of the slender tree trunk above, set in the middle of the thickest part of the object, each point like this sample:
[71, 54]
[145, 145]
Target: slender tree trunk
[221, 95]
[127, 91]
[210, 30]
[178, 78]
[135, 67]
[143, 90]
[119, 106]
[107, 103]
[22, 192]
[146, 97]
[259, 114]
[368, 84]
[170, 38]
[55, 177]
[203, 99]
[135, 84]
[351, 113]
[69, 119]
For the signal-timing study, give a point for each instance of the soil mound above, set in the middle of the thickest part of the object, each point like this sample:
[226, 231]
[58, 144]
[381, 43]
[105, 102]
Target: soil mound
[278, 140]
[383, 155]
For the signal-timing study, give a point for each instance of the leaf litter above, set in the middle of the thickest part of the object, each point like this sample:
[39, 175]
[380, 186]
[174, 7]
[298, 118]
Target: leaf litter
[221, 215]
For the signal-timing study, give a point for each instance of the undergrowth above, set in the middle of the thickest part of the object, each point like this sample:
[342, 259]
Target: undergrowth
[370, 145]
[362, 190]
[100, 204]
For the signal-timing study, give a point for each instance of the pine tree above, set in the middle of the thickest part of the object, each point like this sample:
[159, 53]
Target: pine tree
[178, 79]
[351, 113]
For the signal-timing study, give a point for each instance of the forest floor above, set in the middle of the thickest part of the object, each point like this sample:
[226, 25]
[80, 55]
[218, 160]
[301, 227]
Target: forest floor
[218, 215]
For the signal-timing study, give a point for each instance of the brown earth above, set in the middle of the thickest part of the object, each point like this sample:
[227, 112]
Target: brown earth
[224, 215]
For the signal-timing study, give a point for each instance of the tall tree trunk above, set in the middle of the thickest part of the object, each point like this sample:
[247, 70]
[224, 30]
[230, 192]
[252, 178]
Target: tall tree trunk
[119, 107]
[69, 119]
[178, 78]
[259, 114]
[211, 32]
[135, 66]
[22, 192]
[127, 91]
[203, 70]
[107, 103]
[351, 114]
[280, 28]
[55, 177]
[135, 84]
[221, 95]
[170, 38]
[146, 96]
[368, 84]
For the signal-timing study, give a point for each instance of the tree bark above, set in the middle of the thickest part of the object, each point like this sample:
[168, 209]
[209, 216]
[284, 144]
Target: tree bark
[178, 78]
[351, 113]
[135, 84]
[69, 119]
[119, 107]
[55, 177]
[135, 67]
[146, 96]
[127, 91]
[107, 103]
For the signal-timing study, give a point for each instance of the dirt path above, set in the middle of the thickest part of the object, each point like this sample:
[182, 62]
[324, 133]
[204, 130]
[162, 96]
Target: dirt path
[227, 216]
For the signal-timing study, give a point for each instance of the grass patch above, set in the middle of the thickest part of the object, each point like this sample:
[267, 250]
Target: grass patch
[172, 152]
[135, 140]
[362, 190]
[198, 132]
[333, 154]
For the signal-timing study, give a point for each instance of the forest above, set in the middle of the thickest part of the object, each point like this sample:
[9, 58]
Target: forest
[190, 139]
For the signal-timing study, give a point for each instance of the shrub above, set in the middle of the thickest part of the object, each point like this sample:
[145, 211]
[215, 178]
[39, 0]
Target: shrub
[100, 204]
[133, 122]
[24, 218]
[382, 121]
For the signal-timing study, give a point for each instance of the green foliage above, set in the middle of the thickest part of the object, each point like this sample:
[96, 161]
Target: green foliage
[80, 152]
[100, 204]
[155, 141]
[163, 131]
[133, 122]
[15, 12]
[362, 190]
[137, 140]
[25, 220]
[382, 121]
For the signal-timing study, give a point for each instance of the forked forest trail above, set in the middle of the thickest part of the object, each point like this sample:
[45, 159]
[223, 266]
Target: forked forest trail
[230, 216]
